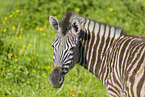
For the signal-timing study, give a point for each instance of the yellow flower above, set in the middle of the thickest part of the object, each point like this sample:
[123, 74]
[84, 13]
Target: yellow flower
[37, 55]
[14, 27]
[49, 91]
[41, 29]
[16, 59]
[17, 38]
[34, 70]
[11, 54]
[51, 65]
[13, 44]
[24, 46]
[21, 30]
[52, 31]
[43, 75]
[45, 67]
[44, 90]
[45, 26]
[111, 9]
[71, 89]
[5, 30]
[48, 67]
[38, 67]
[49, 26]
[4, 68]
[17, 10]
[44, 34]
[10, 15]
[30, 45]
[32, 57]
[70, 93]
[10, 57]
[8, 70]
[55, 16]
[77, 9]
[13, 12]
[79, 92]
[107, 18]
[3, 22]
[101, 19]
[21, 50]
[20, 36]
[37, 28]
[73, 94]
[5, 18]
[10, 40]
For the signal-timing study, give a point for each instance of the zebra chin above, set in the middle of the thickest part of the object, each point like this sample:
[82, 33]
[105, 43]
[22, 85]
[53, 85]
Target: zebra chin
[56, 78]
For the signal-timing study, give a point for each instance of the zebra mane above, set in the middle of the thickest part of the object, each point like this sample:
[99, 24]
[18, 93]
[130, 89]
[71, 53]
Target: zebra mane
[65, 22]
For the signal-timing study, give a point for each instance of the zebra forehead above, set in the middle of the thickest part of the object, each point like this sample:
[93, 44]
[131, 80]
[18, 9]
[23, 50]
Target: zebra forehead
[65, 22]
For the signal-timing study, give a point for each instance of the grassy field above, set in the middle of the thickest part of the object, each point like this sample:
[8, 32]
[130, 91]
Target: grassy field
[26, 37]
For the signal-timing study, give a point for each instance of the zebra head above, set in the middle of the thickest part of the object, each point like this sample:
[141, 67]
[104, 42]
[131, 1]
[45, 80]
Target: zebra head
[65, 46]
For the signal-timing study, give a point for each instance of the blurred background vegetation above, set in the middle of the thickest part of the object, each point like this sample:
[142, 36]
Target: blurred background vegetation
[26, 37]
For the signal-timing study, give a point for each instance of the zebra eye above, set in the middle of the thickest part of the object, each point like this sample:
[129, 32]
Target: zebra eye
[75, 26]
[72, 49]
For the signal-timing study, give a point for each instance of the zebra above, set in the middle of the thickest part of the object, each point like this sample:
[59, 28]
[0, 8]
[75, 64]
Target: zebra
[114, 57]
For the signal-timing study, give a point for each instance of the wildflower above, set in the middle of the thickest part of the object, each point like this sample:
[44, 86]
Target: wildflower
[44, 90]
[70, 93]
[79, 92]
[21, 30]
[18, 48]
[11, 54]
[49, 91]
[14, 27]
[3, 22]
[13, 44]
[10, 57]
[34, 70]
[21, 50]
[45, 67]
[44, 34]
[10, 15]
[32, 57]
[43, 75]
[16, 59]
[38, 67]
[49, 26]
[37, 55]
[41, 29]
[20, 36]
[13, 12]
[37, 28]
[3, 68]
[51, 65]
[73, 94]
[55, 16]
[24, 46]
[17, 38]
[48, 67]
[71, 89]
[17, 11]
[5, 18]
[77, 9]
[5, 30]
[30, 45]
[8, 70]
[107, 18]
[52, 31]
[111, 9]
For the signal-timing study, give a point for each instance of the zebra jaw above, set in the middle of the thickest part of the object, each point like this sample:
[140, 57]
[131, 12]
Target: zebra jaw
[56, 78]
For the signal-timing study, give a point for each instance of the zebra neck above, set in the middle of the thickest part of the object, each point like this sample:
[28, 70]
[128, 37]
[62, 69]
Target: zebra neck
[95, 39]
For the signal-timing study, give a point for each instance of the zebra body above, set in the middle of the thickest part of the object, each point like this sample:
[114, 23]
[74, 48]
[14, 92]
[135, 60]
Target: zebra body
[117, 59]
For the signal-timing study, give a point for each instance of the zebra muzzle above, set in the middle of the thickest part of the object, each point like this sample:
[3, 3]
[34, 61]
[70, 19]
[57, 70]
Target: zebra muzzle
[56, 79]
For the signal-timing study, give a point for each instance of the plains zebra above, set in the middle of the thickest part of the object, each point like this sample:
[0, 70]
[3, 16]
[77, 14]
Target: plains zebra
[114, 57]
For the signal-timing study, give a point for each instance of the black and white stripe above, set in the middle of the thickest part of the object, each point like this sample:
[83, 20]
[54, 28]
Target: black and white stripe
[116, 58]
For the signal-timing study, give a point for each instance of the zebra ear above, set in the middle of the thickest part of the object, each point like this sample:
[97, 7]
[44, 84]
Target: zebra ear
[54, 23]
[76, 27]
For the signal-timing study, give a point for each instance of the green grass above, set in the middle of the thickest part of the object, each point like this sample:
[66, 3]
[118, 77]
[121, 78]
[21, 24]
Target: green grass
[25, 46]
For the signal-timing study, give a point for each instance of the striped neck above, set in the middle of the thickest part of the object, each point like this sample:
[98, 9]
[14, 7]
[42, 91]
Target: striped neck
[95, 40]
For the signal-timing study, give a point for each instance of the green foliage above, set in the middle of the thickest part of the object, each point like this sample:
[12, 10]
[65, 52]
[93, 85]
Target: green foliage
[26, 37]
